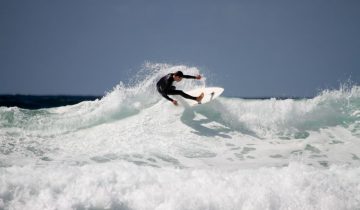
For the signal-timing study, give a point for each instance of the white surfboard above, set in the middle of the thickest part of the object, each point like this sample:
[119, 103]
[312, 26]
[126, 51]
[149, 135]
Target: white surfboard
[210, 93]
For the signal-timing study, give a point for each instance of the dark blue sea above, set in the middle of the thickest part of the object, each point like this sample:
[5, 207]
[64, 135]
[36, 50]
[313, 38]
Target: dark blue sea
[42, 101]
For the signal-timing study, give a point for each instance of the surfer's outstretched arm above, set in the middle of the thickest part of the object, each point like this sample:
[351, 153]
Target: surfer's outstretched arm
[192, 77]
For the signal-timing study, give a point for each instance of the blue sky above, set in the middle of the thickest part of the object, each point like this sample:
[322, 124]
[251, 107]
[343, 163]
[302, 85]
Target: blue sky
[253, 48]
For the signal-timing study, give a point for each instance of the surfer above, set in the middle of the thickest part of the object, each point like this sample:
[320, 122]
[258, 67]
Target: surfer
[165, 87]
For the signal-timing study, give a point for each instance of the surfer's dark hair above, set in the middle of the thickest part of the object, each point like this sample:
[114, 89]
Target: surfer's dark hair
[179, 74]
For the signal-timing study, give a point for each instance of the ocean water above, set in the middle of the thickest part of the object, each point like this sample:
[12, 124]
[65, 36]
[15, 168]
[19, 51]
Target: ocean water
[42, 101]
[132, 149]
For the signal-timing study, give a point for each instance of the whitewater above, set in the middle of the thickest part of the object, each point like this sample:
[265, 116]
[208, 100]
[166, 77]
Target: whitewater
[132, 149]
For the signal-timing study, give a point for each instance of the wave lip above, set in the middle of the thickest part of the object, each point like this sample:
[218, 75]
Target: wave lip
[292, 118]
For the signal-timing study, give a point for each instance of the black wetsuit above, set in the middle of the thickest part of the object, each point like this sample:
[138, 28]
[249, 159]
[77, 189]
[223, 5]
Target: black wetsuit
[165, 87]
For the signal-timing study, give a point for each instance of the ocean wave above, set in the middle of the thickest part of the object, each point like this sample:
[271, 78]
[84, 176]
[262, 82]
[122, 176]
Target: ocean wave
[132, 149]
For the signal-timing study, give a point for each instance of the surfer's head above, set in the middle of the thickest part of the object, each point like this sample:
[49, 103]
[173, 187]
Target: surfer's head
[178, 76]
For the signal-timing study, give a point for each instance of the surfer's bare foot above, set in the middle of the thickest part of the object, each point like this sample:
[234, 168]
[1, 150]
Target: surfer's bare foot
[200, 97]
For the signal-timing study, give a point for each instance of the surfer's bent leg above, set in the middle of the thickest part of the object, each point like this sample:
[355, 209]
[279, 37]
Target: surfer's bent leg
[180, 92]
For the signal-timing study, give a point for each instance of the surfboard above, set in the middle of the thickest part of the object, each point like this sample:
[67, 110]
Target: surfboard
[210, 93]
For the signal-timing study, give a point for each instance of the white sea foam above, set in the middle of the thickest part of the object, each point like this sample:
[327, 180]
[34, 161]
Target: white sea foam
[126, 186]
[134, 150]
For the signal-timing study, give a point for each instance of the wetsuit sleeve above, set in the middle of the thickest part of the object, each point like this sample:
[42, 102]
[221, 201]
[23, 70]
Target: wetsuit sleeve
[167, 97]
[189, 77]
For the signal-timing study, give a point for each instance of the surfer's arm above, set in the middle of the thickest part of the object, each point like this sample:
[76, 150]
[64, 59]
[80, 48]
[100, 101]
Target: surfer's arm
[192, 77]
[167, 97]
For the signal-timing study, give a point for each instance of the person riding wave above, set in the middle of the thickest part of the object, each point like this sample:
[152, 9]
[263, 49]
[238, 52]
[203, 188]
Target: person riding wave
[165, 87]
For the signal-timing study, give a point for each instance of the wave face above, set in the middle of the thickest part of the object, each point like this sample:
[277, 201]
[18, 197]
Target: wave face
[134, 150]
